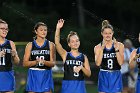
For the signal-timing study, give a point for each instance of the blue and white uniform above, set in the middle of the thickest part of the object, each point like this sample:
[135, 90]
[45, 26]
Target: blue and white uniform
[73, 82]
[110, 78]
[40, 76]
[7, 79]
[138, 78]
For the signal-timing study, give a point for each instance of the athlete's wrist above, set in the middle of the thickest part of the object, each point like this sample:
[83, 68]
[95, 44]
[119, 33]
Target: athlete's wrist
[14, 55]
[81, 67]
[36, 62]
[116, 50]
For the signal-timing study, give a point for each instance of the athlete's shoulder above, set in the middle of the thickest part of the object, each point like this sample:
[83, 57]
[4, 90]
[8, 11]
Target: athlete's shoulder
[97, 46]
[12, 44]
[51, 43]
[85, 56]
[29, 45]
[121, 44]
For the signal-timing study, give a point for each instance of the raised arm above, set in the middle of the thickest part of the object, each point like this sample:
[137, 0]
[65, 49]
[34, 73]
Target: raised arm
[98, 55]
[59, 47]
[133, 57]
[98, 51]
[119, 48]
[14, 53]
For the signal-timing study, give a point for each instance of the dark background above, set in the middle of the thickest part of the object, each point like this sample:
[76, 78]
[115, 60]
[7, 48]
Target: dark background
[82, 16]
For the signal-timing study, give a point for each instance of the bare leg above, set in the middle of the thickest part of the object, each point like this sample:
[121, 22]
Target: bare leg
[48, 92]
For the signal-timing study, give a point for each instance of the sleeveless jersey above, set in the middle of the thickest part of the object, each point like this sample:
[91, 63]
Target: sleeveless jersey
[42, 52]
[69, 65]
[138, 59]
[109, 60]
[5, 61]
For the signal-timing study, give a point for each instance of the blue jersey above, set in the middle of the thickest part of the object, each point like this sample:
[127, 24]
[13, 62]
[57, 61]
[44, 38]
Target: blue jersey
[40, 76]
[138, 59]
[138, 79]
[109, 60]
[70, 63]
[42, 52]
[110, 78]
[73, 82]
[7, 80]
[5, 61]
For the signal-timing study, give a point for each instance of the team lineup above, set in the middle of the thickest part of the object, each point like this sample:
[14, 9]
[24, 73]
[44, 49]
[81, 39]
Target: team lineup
[40, 57]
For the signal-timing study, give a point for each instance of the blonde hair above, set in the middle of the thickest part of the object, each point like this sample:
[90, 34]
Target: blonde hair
[72, 33]
[2, 21]
[106, 24]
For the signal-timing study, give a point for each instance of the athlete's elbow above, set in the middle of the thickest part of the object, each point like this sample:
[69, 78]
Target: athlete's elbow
[97, 64]
[121, 63]
[89, 74]
[131, 66]
[53, 64]
[17, 61]
[24, 64]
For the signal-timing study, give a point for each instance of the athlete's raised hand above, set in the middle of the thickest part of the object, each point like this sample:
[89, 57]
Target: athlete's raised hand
[116, 44]
[103, 44]
[60, 24]
[137, 56]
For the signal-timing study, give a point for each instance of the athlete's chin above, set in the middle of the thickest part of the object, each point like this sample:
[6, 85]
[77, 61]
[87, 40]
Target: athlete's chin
[108, 39]
[42, 37]
[3, 36]
[75, 48]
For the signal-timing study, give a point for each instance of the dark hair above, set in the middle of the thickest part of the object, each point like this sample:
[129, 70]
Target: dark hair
[106, 24]
[2, 21]
[39, 24]
[72, 33]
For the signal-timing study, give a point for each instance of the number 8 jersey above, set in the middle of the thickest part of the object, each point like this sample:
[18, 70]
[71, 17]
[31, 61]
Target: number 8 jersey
[109, 60]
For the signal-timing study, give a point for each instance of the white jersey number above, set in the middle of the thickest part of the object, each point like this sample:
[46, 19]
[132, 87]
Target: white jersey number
[110, 63]
[40, 58]
[2, 60]
[75, 74]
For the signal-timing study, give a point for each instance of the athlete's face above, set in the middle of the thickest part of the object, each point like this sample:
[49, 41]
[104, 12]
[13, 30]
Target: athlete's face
[74, 42]
[107, 34]
[3, 30]
[41, 31]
